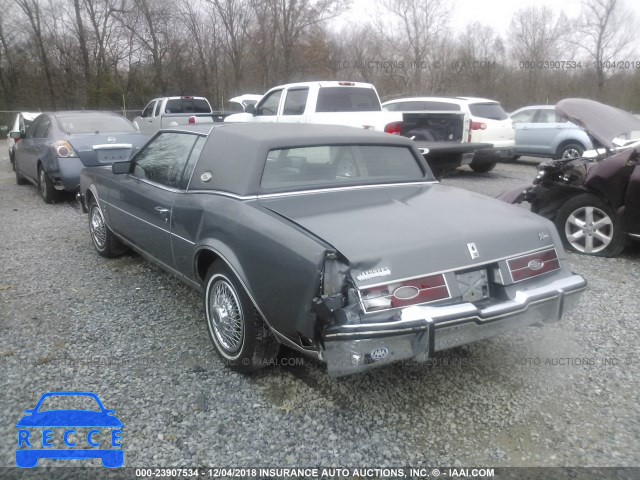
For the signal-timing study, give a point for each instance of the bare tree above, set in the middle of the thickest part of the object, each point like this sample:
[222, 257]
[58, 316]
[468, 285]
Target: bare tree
[33, 11]
[606, 30]
[419, 29]
[536, 35]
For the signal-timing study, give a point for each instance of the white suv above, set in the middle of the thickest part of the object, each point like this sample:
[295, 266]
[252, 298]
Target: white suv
[488, 123]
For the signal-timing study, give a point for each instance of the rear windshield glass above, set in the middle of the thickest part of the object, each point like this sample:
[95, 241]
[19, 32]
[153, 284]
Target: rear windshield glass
[492, 111]
[347, 99]
[338, 165]
[187, 105]
[94, 124]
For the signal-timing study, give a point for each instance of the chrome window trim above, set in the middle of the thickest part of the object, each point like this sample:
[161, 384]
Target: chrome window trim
[156, 184]
[224, 194]
[340, 189]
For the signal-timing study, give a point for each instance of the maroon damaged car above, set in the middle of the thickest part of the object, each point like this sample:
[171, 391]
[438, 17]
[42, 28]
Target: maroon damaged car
[594, 200]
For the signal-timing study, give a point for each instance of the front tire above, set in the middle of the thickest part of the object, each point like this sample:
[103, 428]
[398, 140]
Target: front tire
[46, 188]
[569, 150]
[239, 334]
[483, 167]
[106, 243]
[588, 225]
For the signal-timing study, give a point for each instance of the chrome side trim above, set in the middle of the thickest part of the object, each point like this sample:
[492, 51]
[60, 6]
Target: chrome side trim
[634, 235]
[182, 238]
[340, 189]
[112, 146]
[224, 194]
[138, 218]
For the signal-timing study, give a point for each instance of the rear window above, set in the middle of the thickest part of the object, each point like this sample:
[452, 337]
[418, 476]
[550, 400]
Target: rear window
[492, 111]
[421, 106]
[338, 165]
[187, 105]
[94, 124]
[347, 99]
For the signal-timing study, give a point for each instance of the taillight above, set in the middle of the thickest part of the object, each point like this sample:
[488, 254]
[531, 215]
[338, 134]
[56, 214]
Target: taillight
[478, 125]
[394, 128]
[64, 149]
[533, 264]
[192, 119]
[405, 293]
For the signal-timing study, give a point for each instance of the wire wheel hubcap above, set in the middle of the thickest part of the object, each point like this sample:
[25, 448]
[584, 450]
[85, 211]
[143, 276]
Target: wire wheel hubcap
[225, 316]
[589, 230]
[98, 229]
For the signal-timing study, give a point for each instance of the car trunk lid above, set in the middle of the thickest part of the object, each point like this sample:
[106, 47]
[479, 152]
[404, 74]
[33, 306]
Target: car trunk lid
[413, 230]
[104, 149]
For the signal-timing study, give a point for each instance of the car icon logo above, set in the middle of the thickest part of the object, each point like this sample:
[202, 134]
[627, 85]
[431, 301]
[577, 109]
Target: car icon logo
[111, 139]
[69, 433]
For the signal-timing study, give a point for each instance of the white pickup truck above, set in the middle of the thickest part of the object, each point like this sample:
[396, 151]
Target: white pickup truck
[167, 112]
[441, 136]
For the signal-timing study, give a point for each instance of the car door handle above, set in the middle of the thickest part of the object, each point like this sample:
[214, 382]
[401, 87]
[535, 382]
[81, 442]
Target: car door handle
[164, 212]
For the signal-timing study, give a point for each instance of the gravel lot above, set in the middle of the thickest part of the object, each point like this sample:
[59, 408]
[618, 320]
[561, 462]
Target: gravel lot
[564, 395]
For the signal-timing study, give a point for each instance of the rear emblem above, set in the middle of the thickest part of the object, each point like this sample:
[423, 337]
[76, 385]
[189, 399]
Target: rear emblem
[111, 139]
[206, 176]
[376, 272]
[473, 250]
[535, 265]
[379, 353]
[543, 236]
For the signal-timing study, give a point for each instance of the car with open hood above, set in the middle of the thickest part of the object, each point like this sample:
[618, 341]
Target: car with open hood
[594, 200]
[58, 145]
[335, 241]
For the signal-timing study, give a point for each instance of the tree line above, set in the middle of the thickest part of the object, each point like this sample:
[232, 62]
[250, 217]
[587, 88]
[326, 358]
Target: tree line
[108, 54]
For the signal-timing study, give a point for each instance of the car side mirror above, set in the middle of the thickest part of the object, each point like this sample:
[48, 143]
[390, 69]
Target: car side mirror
[250, 109]
[119, 168]
[16, 135]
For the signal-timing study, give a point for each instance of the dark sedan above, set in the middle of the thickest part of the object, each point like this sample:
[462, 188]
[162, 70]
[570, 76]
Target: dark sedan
[57, 146]
[335, 241]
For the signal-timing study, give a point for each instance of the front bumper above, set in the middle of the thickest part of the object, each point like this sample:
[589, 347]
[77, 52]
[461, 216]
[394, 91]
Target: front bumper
[419, 331]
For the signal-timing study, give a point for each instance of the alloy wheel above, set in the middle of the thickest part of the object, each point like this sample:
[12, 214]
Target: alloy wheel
[589, 229]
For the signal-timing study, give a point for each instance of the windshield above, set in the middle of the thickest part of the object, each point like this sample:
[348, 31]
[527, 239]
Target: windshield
[339, 165]
[347, 99]
[492, 111]
[69, 402]
[95, 124]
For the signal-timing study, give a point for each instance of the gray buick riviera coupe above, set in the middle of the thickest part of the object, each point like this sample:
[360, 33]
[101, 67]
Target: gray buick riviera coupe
[335, 241]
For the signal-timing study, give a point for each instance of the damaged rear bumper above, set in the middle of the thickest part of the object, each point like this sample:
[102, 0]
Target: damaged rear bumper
[419, 331]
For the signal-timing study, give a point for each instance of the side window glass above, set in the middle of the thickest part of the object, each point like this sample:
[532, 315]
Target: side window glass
[164, 158]
[191, 163]
[296, 101]
[148, 110]
[269, 106]
[33, 127]
[43, 128]
[546, 116]
[525, 116]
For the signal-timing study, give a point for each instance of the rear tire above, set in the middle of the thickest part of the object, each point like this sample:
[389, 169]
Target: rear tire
[106, 243]
[47, 190]
[238, 332]
[483, 167]
[589, 226]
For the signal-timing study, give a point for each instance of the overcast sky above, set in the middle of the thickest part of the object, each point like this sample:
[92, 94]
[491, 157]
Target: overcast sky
[497, 13]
